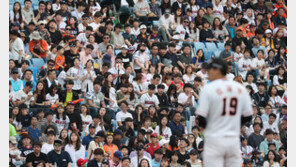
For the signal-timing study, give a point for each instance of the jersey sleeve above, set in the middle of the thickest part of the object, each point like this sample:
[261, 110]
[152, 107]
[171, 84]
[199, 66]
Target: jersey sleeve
[204, 102]
[246, 104]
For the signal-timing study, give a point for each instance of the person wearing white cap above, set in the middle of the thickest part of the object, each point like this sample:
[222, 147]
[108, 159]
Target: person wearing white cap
[268, 40]
[37, 46]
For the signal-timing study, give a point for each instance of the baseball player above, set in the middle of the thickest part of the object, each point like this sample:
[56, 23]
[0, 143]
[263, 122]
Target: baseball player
[224, 105]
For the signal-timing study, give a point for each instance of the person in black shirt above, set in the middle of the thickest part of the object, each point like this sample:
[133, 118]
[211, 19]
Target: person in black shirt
[206, 35]
[238, 39]
[74, 117]
[127, 58]
[40, 13]
[55, 35]
[63, 11]
[99, 34]
[261, 98]
[59, 157]
[182, 153]
[71, 55]
[162, 97]
[36, 156]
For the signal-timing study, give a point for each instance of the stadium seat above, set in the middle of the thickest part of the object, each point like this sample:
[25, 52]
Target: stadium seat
[155, 22]
[211, 46]
[199, 45]
[116, 52]
[217, 53]
[38, 63]
[208, 55]
[35, 71]
[220, 46]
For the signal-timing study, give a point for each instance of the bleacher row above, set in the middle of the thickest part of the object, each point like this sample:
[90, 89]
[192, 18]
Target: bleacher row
[210, 50]
[34, 3]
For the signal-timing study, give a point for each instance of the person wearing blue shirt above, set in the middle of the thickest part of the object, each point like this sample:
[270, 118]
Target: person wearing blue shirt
[28, 77]
[175, 125]
[33, 131]
[59, 157]
[90, 137]
[269, 139]
[16, 83]
[158, 154]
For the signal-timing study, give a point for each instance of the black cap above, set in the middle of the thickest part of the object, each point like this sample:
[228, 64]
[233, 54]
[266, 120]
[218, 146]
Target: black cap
[91, 126]
[57, 141]
[158, 151]
[14, 71]
[118, 132]
[218, 63]
[100, 134]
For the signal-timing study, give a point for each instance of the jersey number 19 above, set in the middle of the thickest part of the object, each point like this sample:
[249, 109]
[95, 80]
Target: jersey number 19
[232, 106]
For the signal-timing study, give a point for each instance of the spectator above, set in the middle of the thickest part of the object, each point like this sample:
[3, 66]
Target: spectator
[58, 156]
[36, 156]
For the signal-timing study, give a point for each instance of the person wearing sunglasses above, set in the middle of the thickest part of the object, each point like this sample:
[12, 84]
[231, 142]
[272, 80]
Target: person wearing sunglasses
[183, 30]
[58, 156]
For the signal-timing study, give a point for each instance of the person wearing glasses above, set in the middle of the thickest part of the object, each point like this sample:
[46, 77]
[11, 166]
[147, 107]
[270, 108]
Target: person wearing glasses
[59, 157]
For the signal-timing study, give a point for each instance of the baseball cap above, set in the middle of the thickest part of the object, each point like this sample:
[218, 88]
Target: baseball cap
[158, 151]
[217, 63]
[153, 135]
[23, 106]
[107, 58]
[14, 71]
[12, 139]
[118, 154]
[124, 47]
[92, 125]
[268, 31]
[41, 22]
[81, 161]
[57, 142]
[163, 142]
[143, 26]
[118, 132]
[16, 24]
[100, 134]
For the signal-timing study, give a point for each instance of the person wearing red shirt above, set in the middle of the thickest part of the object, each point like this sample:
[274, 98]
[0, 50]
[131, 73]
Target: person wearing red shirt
[153, 146]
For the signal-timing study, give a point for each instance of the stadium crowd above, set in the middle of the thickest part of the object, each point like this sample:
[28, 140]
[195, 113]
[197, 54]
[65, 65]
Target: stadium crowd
[116, 83]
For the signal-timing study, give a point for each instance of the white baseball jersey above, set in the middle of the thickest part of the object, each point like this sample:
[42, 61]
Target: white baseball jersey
[222, 103]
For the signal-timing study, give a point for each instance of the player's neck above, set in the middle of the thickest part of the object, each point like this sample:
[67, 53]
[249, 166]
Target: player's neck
[220, 77]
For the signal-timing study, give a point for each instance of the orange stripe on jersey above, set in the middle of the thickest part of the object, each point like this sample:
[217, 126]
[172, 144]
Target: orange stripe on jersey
[239, 90]
[229, 89]
[219, 91]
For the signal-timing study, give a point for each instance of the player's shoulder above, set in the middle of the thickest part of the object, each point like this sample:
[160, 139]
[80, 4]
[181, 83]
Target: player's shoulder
[223, 83]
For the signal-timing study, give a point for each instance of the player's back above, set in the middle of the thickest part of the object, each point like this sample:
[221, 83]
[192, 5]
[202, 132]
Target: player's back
[223, 102]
